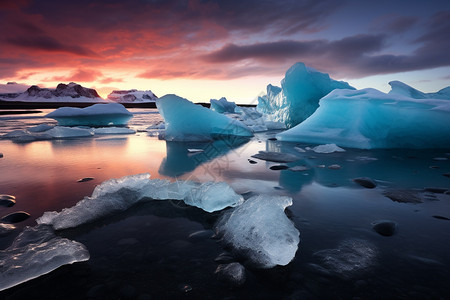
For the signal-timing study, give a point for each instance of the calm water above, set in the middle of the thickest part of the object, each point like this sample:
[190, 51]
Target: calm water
[146, 252]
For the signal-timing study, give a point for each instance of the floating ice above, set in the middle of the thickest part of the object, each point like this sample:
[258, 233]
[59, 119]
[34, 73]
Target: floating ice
[222, 105]
[369, 119]
[276, 156]
[40, 128]
[402, 89]
[116, 195]
[94, 115]
[114, 130]
[260, 228]
[35, 252]
[186, 121]
[60, 132]
[56, 132]
[299, 96]
[327, 148]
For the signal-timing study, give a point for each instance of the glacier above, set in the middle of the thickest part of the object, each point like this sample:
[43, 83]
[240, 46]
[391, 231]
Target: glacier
[260, 228]
[35, 252]
[117, 195]
[402, 89]
[186, 121]
[369, 119]
[94, 115]
[299, 95]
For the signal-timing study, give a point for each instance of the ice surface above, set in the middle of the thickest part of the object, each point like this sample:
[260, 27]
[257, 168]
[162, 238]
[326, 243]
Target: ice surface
[55, 132]
[35, 252]
[116, 195]
[40, 128]
[327, 148]
[60, 132]
[276, 156]
[301, 90]
[222, 105]
[132, 96]
[402, 89]
[369, 119]
[114, 130]
[94, 115]
[260, 228]
[186, 121]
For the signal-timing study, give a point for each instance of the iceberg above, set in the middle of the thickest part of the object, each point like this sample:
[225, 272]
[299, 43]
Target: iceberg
[222, 105]
[186, 121]
[117, 195]
[402, 89]
[299, 95]
[369, 119]
[260, 228]
[35, 252]
[94, 115]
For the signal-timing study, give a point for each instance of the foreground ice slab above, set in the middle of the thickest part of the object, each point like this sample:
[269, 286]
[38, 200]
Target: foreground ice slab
[35, 252]
[186, 121]
[301, 90]
[369, 119]
[402, 89]
[260, 228]
[95, 115]
[55, 132]
[117, 195]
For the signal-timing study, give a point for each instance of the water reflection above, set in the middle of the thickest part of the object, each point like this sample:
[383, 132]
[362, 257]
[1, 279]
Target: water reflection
[180, 161]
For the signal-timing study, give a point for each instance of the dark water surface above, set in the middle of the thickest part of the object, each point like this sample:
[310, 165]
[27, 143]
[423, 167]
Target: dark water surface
[146, 252]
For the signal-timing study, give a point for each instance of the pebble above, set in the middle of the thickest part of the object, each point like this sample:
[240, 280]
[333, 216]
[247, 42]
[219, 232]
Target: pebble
[233, 273]
[334, 167]
[279, 167]
[7, 197]
[272, 139]
[446, 174]
[385, 227]
[1, 155]
[298, 168]
[365, 182]
[85, 179]
[252, 161]
[441, 218]
[15, 217]
[6, 202]
[185, 288]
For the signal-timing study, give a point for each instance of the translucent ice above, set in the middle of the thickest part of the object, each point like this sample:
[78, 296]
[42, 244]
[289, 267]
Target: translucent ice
[369, 119]
[116, 195]
[299, 96]
[222, 105]
[327, 148]
[35, 252]
[114, 130]
[55, 132]
[402, 89]
[260, 228]
[186, 121]
[94, 115]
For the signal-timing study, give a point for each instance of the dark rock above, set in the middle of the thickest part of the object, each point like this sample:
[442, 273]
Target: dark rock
[403, 196]
[252, 161]
[224, 258]
[200, 235]
[185, 288]
[384, 227]
[233, 273]
[365, 182]
[272, 139]
[6, 228]
[15, 217]
[436, 190]
[446, 174]
[1, 155]
[7, 197]
[7, 202]
[441, 218]
[85, 179]
[279, 167]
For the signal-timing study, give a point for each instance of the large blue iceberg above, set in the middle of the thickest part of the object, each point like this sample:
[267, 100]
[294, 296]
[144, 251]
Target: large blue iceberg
[299, 95]
[95, 115]
[186, 121]
[368, 119]
[400, 88]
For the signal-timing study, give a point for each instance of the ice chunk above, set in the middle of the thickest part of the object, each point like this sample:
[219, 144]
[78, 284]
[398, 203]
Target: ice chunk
[60, 132]
[370, 119]
[56, 132]
[114, 130]
[276, 156]
[94, 115]
[260, 228]
[402, 89]
[301, 90]
[222, 105]
[116, 195]
[35, 252]
[327, 148]
[186, 121]
[40, 128]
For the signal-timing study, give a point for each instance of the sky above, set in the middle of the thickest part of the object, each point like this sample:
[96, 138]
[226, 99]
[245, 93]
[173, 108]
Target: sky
[207, 49]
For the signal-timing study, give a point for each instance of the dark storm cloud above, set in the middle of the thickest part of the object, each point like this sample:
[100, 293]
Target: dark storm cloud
[401, 24]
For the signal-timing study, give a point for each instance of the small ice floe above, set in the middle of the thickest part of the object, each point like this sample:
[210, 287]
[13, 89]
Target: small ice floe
[194, 150]
[94, 115]
[365, 182]
[57, 132]
[40, 128]
[159, 125]
[334, 167]
[299, 149]
[35, 252]
[261, 230]
[114, 130]
[327, 148]
[385, 227]
[276, 156]
[299, 168]
[15, 217]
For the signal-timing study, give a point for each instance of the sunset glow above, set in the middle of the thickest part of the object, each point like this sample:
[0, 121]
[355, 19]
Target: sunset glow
[209, 49]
